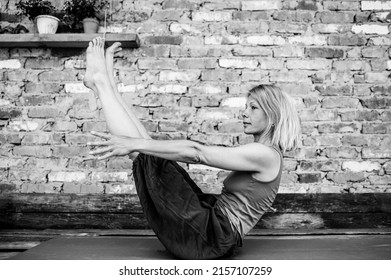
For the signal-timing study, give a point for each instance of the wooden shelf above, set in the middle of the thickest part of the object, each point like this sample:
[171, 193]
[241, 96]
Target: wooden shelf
[65, 40]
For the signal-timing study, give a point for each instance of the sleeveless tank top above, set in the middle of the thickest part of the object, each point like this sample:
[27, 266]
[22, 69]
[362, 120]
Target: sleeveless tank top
[244, 199]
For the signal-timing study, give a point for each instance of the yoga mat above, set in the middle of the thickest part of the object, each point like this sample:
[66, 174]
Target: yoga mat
[362, 247]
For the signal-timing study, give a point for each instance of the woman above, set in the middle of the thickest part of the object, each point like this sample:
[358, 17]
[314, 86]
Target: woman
[189, 223]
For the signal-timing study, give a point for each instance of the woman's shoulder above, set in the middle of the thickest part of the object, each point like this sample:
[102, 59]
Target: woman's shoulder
[270, 158]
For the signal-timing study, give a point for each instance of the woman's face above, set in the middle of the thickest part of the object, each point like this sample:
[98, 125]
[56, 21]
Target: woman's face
[254, 117]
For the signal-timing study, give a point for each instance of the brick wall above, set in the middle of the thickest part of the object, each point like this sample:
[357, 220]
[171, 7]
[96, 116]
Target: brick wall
[188, 79]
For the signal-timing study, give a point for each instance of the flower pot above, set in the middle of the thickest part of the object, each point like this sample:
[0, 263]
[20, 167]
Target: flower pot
[47, 24]
[90, 25]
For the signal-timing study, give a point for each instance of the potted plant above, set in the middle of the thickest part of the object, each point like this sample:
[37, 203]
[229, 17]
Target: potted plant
[40, 12]
[86, 12]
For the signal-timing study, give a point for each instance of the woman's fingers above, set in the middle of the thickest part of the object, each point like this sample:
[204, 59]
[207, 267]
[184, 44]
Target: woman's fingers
[98, 144]
[105, 136]
[106, 156]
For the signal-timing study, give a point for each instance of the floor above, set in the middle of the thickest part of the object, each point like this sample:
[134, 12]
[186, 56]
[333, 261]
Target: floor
[325, 247]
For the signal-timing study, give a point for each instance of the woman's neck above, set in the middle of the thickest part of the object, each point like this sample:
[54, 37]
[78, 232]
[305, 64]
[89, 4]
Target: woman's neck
[262, 140]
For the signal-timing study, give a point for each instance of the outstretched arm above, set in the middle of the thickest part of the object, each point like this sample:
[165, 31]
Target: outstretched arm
[252, 157]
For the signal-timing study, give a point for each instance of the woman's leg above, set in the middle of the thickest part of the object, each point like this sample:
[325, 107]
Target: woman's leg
[110, 51]
[97, 79]
[182, 217]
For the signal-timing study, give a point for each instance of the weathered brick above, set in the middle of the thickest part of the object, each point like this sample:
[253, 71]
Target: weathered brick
[250, 15]
[288, 51]
[120, 189]
[336, 17]
[360, 115]
[9, 113]
[28, 175]
[348, 65]
[211, 16]
[58, 76]
[380, 180]
[339, 128]
[238, 63]
[109, 176]
[164, 40]
[168, 89]
[180, 113]
[360, 140]
[180, 5]
[263, 40]
[341, 152]
[385, 116]
[387, 167]
[285, 27]
[345, 177]
[325, 166]
[333, 5]
[172, 126]
[291, 76]
[23, 125]
[318, 115]
[330, 28]
[361, 166]
[340, 102]
[215, 114]
[220, 75]
[197, 63]
[261, 5]
[380, 41]
[327, 140]
[70, 151]
[316, 40]
[370, 29]
[334, 90]
[371, 52]
[76, 88]
[41, 187]
[32, 87]
[67, 176]
[376, 77]
[376, 128]
[375, 5]
[167, 15]
[35, 100]
[308, 178]
[44, 112]
[235, 27]
[296, 16]
[251, 51]
[324, 52]
[10, 64]
[188, 76]
[371, 153]
[40, 63]
[205, 101]
[315, 64]
[33, 151]
[221, 40]
[380, 65]
[231, 126]
[267, 64]
[160, 64]
[346, 40]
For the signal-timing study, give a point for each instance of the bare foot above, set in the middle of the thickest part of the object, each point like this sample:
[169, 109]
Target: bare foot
[96, 66]
[110, 51]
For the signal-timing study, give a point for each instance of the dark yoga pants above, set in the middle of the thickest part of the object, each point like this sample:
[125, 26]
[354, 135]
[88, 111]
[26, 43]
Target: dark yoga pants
[181, 215]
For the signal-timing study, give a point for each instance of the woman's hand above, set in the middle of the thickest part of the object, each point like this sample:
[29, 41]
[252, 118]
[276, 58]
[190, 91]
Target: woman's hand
[113, 145]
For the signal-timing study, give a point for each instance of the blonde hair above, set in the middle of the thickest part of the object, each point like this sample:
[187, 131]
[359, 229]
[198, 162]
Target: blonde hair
[283, 125]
